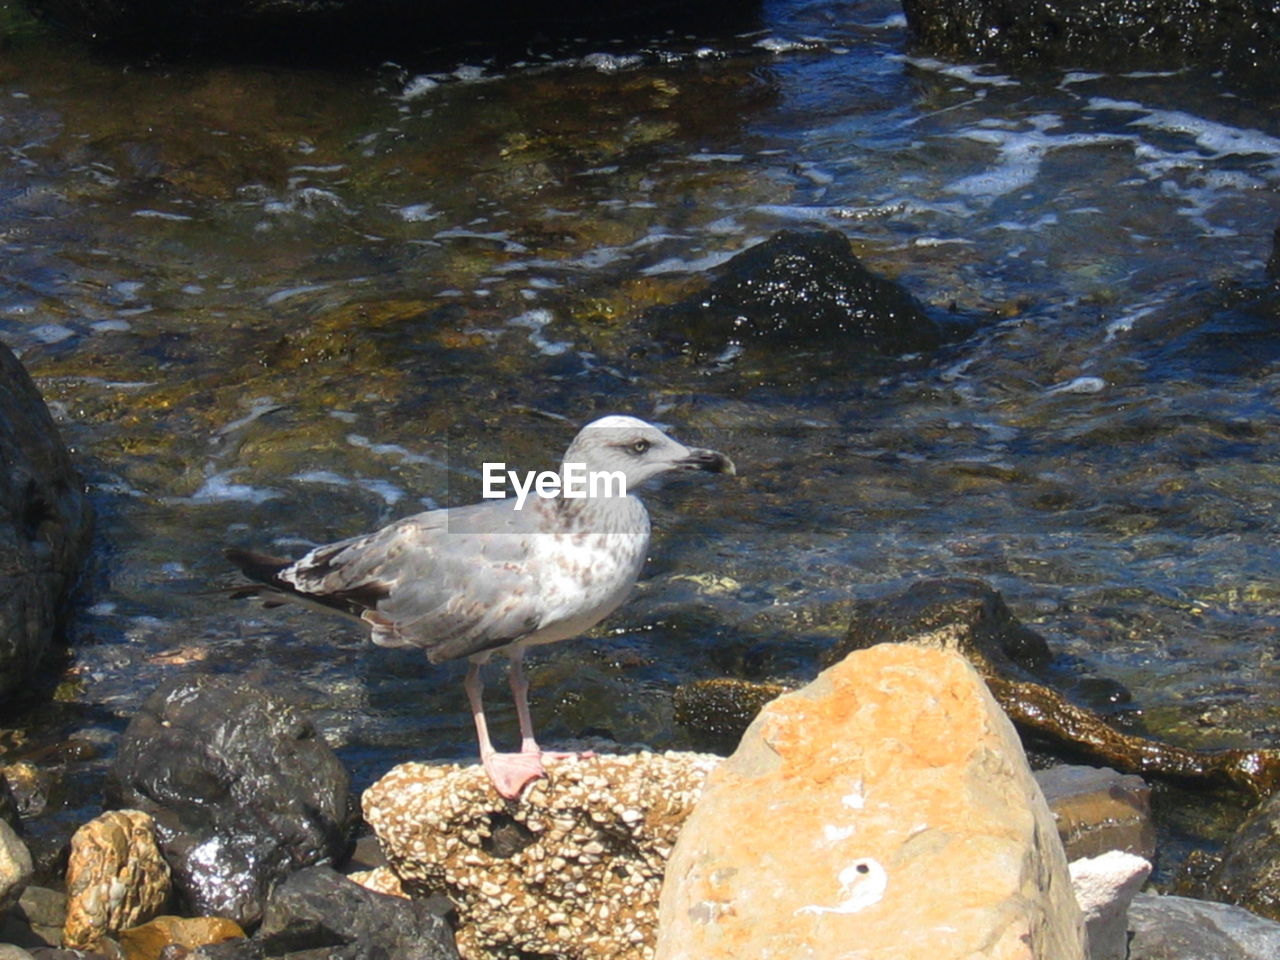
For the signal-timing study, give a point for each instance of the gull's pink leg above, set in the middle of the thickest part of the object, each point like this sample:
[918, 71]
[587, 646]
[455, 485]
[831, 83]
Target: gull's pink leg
[520, 692]
[509, 772]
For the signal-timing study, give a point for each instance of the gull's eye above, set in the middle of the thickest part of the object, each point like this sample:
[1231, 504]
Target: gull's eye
[640, 446]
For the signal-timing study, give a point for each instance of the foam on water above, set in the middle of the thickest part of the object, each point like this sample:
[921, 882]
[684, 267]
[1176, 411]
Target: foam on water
[1020, 153]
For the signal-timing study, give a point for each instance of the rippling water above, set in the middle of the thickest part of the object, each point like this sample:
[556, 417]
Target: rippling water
[276, 306]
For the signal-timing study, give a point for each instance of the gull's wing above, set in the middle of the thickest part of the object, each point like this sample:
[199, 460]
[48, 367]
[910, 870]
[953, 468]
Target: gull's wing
[454, 582]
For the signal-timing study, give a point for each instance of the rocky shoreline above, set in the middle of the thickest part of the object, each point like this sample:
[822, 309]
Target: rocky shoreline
[889, 802]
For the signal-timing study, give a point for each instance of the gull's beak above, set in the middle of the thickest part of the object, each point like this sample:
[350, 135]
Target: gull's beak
[712, 461]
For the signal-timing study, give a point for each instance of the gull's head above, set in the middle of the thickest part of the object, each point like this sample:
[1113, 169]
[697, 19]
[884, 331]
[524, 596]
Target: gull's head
[638, 450]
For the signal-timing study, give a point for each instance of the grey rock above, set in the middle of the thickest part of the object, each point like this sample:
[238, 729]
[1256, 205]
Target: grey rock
[42, 906]
[45, 525]
[319, 908]
[243, 789]
[1179, 928]
[15, 867]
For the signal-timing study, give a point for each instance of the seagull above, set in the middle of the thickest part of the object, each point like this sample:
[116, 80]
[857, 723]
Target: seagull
[500, 575]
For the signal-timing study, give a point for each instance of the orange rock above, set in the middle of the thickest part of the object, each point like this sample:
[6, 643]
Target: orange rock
[886, 811]
[148, 941]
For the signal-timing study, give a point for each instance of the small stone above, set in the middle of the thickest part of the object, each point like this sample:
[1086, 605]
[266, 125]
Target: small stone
[116, 877]
[15, 866]
[149, 941]
[1104, 887]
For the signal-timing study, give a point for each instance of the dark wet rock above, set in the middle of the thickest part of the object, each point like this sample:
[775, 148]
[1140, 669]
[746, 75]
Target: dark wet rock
[723, 707]
[958, 613]
[1098, 809]
[369, 28]
[45, 524]
[970, 617]
[798, 290]
[243, 789]
[319, 908]
[28, 786]
[9, 805]
[1242, 36]
[1247, 872]
[1178, 928]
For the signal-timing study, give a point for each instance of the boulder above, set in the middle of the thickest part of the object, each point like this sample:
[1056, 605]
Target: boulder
[319, 907]
[1240, 36]
[886, 806]
[15, 867]
[116, 877]
[1179, 928]
[243, 789]
[798, 290]
[45, 525]
[573, 870]
[1098, 809]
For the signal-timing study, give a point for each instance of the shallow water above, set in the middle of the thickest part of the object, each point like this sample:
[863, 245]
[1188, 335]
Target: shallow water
[276, 306]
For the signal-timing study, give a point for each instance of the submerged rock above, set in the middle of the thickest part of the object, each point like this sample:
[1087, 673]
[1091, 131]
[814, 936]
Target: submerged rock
[45, 525]
[243, 789]
[887, 805]
[573, 870]
[798, 290]
[1242, 36]
[116, 878]
[319, 907]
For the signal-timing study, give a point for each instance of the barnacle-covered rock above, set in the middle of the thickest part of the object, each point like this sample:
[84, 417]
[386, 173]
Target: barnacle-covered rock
[116, 877]
[573, 870]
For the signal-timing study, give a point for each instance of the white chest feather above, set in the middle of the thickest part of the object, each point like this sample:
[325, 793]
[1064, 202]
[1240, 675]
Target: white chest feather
[588, 573]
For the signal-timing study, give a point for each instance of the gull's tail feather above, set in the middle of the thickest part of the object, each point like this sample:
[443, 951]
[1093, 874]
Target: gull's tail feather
[261, 567]
[273, 590]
